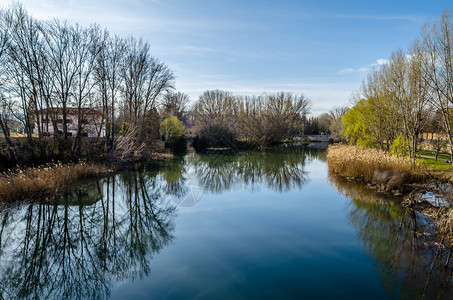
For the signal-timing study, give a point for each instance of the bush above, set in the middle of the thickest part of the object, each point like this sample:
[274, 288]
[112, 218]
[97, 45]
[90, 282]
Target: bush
[124, 128]
[45, 181]
[400, 146]
[172, 128]
[215, 136]
[370, 165]
[177, 145]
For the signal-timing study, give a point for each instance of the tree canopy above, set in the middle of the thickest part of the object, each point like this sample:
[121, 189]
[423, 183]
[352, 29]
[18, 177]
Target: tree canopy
[172, 129]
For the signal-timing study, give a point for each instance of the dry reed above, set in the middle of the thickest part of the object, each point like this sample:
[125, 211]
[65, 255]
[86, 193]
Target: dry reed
[46, 180]
[371, 165]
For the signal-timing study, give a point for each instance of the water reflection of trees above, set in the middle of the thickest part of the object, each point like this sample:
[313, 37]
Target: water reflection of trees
[280, 169]
[107, 231]
[407, 253]
[73, 250]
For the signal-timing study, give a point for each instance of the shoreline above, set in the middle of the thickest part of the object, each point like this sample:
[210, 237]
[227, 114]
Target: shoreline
[52, 179]
[382, 171]
[409, 185]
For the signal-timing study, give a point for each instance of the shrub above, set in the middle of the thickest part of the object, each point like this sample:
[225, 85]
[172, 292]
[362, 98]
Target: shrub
[172, 129]
[45, 181]
[174, 132]
[370, 165]
[124, 128]
[215, 136]
[400, 146]
[177, 145]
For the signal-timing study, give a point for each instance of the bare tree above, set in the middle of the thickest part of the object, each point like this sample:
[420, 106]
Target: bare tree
[335, 117]
[175, 104]
[62, 60]
[285, 115]
[57, 74]
[437, 69]
[24, 65]
[146, 79]
[109, 80]
[5, 104]
[251, 119]
[269, 119]
[419, 106]
[216, 107]
[409, 91]
[88, 44]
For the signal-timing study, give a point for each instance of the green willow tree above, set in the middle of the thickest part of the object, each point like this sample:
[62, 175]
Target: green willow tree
[355, 125]
[172, 129]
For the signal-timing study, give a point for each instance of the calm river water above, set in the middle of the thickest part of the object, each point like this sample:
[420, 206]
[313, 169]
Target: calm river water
[255, 225]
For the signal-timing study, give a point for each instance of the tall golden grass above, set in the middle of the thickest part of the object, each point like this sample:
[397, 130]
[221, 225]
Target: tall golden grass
[371, 165]
[44, 181]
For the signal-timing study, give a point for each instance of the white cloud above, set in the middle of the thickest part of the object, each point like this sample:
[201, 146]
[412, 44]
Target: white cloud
[351, 70]
[347, 70]
[409, 56]
[379, 62]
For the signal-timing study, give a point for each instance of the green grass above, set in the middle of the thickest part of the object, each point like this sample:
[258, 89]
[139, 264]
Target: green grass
[431, 163]
[431, 154]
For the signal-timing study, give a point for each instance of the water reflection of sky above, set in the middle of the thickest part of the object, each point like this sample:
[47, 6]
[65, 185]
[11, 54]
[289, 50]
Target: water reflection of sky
[263, 243]
[267, 225]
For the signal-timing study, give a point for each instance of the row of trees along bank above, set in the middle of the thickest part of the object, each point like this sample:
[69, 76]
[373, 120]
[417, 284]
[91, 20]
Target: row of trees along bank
[254, 120]
[410, 94]
[54, 75]
[51, 69]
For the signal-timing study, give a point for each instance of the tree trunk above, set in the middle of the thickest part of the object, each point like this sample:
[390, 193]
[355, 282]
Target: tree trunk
[11, 149]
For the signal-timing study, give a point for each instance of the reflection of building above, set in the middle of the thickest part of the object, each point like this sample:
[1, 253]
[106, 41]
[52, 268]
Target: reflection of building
[90, 119]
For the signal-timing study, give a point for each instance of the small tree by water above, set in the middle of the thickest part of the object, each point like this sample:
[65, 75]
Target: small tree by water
[172, 129]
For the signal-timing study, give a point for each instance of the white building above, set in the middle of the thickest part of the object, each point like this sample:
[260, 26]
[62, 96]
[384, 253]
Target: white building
[90, 119]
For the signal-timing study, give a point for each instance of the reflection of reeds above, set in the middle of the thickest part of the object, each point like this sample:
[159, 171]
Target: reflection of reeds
[60, 251]
[371, 165]
[45, 181]
[409, 255]
[357, 190]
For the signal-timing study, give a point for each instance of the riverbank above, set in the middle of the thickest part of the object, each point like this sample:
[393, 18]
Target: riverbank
[54, 178]
[46, 181]
[378, 169]
[425, 190]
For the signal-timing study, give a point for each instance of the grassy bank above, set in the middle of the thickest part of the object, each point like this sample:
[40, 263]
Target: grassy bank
[373, 166]
[40, 182]
[433, 155]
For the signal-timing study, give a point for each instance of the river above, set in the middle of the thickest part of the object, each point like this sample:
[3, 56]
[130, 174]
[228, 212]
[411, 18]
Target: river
[261, 225]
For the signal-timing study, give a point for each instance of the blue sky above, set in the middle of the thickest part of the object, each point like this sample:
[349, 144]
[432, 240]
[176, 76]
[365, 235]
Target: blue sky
[322, 49]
